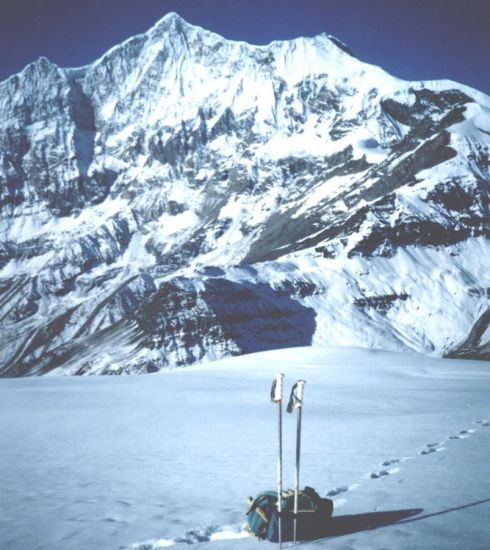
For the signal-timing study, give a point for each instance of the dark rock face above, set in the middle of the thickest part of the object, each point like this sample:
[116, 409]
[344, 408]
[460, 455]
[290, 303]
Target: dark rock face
[185, 198]
[176, 324]
[380, 303]
[474, 346]
[54, 170]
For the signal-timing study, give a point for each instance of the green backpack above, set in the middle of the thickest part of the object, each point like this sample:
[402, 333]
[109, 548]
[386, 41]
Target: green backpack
[263, 517]
[260, 511]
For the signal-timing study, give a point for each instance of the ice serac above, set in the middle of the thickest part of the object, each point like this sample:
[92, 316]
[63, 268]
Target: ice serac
[187, 197]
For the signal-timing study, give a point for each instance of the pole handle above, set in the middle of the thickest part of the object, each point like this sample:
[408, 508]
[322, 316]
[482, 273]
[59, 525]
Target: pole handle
[277, 386]
[296, 397]
[300, 390]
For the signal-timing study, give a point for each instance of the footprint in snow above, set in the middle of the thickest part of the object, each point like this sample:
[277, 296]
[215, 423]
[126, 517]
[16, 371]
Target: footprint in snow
[463, 434]
[432, 448]
[337, 491]
[390, 462]
[484, 423]
[382, 473]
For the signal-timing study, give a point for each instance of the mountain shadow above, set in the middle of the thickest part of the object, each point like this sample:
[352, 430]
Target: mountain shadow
[258, 317]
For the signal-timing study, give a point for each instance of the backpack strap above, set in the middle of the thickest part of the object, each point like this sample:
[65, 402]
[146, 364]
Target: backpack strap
[262, 514]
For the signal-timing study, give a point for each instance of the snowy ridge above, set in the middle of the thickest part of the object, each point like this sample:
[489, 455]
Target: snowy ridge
[192, 197]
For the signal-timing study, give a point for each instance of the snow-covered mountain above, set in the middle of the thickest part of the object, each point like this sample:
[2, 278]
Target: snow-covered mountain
[187, 197]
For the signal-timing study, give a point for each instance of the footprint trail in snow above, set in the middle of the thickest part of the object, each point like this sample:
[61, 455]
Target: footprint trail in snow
[429, 449]
[195, 536]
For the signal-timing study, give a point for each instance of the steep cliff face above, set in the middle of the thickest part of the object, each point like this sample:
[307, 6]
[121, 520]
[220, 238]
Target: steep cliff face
[186, 197]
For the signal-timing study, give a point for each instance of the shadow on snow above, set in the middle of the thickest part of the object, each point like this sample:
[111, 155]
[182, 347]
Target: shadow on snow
[339, 526]
[347, 525]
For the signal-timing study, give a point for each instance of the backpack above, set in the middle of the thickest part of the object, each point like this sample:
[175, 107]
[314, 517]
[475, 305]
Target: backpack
[313, 515]
[259, 514]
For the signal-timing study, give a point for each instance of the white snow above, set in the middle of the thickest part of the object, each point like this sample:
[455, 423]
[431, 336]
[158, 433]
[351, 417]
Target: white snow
[166, 460]
[26, 266]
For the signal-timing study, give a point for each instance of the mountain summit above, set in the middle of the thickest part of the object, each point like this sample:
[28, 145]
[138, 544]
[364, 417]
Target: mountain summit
[187, 197]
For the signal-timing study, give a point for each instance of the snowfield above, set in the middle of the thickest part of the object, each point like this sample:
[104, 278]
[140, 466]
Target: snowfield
[399, 442]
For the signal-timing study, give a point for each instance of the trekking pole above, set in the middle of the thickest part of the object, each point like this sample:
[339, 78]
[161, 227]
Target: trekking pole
[276, 397]
[296, 402]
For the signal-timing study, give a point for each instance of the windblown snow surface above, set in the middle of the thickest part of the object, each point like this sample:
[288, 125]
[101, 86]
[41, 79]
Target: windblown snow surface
[399, 442]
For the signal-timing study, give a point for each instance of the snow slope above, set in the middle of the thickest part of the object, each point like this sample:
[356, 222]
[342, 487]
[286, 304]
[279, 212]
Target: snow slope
[400, 442]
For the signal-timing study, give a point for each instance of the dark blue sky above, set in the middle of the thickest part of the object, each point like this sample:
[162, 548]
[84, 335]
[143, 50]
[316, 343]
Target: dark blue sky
[412, 39]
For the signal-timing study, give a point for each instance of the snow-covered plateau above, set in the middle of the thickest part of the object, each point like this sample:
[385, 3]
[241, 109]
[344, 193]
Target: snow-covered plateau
[185, 198]
[399, 442]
